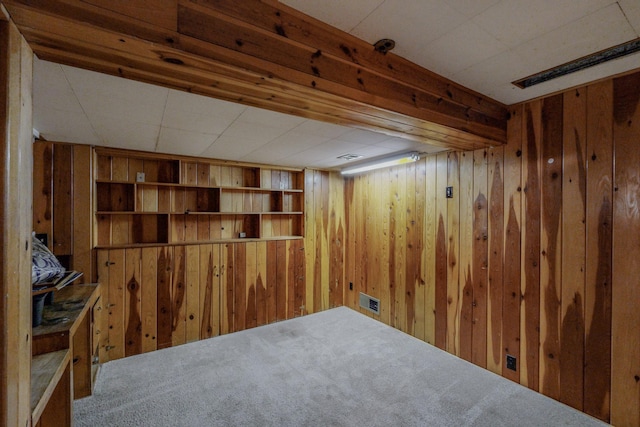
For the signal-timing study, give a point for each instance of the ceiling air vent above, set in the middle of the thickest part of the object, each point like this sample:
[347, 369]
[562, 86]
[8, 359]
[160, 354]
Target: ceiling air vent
[597, 58]
[349, 157]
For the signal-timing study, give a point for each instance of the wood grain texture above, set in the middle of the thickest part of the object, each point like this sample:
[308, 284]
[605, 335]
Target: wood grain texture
[625, 351]
[149, 297]
[574, 200]
[597, 296]
[429, 242]
[512, 243]
[16, 130]
[43, 188]
[465, 296]
[62, 199]
[480, 264]
[132, 303]
[496, 256]
[551, 245]
[453, 256]
[441, 323]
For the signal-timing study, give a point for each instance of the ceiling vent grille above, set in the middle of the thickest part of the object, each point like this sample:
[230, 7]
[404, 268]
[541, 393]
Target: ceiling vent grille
[597, 58]
[349, 157]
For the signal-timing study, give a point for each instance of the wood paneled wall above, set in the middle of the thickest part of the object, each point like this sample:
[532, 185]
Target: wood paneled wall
[535, 256]
[163, 296]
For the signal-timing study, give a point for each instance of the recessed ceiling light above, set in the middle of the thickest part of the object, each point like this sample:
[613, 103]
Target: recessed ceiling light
[592, 60]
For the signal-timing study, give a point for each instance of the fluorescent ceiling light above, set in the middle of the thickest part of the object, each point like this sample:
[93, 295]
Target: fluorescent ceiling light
[383, 163]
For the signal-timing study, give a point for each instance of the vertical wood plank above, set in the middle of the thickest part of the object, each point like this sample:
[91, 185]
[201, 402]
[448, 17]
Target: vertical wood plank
[82, 211]
[441, 253]
[420, 276]
[313, 298]
[62, 199]
[178, 297]
[132, 302]
[261, 285]
[149, 298]
[429, 257]
[300, 278]
[496, 260]
[599, 154]
[291, 278]
[336, 240]
[117, 283]
[164, 307]
[43, 188]
[251, 317]
[411, 248]
[193, 285]
[271, 281]
[574, 199]
[453, 256]
[551, 261]
[102, 276]
[480, 263]
[240, 286]
[465, 295]
[531, 229]
[281, 280]
[512, 203]
[16, 130]
[227, 291]
[625, 372]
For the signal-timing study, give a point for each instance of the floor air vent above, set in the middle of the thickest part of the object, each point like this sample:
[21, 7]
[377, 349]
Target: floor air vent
[369, 303]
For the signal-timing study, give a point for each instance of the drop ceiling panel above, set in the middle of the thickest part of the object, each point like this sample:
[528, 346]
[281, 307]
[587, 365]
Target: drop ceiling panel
[430, 19]
[453, 51]
[632, 12]
[178, 141]
[514, 22]
[595, 32]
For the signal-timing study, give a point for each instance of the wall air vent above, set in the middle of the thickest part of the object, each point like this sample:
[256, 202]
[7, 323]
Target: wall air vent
[597, 58]
[370, 303]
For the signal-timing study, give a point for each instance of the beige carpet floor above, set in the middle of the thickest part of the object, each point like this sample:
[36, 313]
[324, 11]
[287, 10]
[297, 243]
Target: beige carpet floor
[334, 368]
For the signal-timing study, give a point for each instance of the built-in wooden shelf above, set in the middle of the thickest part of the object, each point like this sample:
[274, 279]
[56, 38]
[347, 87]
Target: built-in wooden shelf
[186, 200]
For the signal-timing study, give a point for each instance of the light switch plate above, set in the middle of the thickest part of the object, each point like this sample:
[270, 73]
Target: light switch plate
[139, 176]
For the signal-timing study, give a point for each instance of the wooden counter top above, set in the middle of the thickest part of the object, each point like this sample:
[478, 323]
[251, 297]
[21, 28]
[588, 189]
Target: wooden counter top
[60, 319]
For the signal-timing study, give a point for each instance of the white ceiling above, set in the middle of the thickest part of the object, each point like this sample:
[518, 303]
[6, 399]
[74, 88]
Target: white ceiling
[481, 44]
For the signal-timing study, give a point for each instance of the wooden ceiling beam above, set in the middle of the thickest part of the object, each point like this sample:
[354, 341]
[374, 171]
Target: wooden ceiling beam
[265, 55]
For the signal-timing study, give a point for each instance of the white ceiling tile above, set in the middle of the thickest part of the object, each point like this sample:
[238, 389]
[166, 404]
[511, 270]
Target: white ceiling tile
[257, 116]
[314, 127]
[64, 126]
[504, 67]
[229, 148]
[593, 33]
[515, 21]
[119, 133]
[253, 132]
[198, 113]
[631, 10]
[471, 8]
[453, 52]
[339, 13]
[50, 83]
[364, 137]
[430, 20]
[105, 95]
[177, 141]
